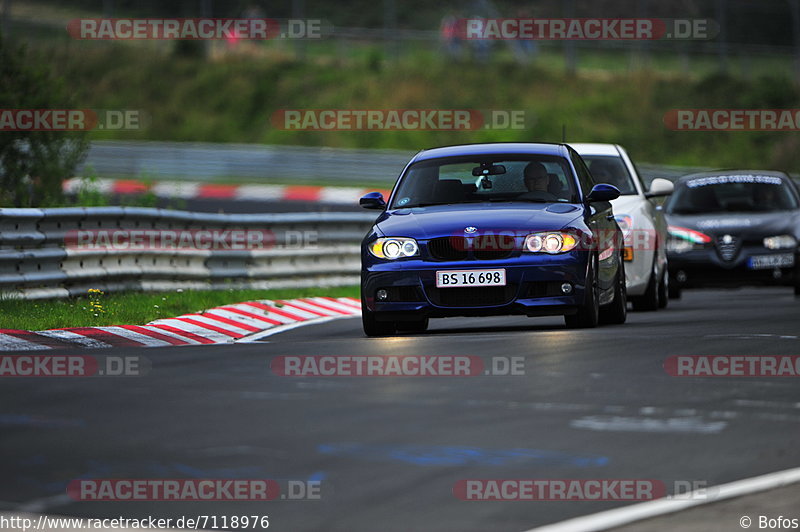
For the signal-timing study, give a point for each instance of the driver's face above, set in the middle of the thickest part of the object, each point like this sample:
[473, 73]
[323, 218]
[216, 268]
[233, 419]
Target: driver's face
[537, 181]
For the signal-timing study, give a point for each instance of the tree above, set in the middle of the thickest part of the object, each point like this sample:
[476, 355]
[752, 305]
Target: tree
[33, 164]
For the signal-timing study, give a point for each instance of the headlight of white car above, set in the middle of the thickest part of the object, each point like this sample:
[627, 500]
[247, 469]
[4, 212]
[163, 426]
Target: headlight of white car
[625, 222]
[780, 242]
[550, 243]
[394, 248]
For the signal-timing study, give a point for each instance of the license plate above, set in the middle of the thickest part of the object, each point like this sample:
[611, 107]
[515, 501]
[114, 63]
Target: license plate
[761, 262]
[453, 278]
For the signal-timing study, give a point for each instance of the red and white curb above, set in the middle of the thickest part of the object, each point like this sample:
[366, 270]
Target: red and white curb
[189, 190]
[230, 323]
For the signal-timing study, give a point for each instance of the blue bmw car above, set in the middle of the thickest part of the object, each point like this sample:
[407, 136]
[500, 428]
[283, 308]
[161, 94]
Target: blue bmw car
[492, 229]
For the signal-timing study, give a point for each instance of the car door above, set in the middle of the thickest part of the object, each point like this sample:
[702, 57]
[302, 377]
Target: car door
[600, 219]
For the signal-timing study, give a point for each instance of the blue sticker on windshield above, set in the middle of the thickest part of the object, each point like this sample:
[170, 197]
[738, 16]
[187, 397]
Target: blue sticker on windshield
[403, 201]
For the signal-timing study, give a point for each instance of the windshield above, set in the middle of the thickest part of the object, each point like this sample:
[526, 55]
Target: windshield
[611, 170]
[473, 179]
[732, 193]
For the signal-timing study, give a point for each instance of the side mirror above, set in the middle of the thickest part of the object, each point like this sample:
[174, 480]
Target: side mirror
[660, 187]
[602, 192]
[372, 200]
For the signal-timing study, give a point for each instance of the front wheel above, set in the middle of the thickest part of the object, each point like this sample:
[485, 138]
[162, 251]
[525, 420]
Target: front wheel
[588, 313]
[674, 289]
[649, 300]
[616, 312]
[663, 290]
[797, 280]
[373, 327]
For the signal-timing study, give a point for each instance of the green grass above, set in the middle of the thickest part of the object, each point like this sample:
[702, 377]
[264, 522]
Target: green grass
[137, 308]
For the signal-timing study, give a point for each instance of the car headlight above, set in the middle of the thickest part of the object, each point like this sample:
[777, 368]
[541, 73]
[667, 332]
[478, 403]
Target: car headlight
[394, 248]
[550, 243]
[780, 242]
[682, 239]
[625, 222]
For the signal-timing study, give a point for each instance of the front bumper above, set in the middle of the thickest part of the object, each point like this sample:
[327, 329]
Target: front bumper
[533, 288]
[705, 268]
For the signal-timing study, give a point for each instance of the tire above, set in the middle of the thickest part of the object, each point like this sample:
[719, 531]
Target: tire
[588, 314]
[416, 326]
[616, 312]
[663, 290]
[673, 289]
[649, 300]
[797, 280]
[372, 327]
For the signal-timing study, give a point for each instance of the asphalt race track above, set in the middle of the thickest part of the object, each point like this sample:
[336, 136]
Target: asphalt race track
[592, 404]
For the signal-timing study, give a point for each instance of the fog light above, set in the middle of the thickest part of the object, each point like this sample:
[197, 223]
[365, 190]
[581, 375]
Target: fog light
[381, 295]
[566, 288]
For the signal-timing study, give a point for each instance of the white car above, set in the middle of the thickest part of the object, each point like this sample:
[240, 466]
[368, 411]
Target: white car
[641, 222]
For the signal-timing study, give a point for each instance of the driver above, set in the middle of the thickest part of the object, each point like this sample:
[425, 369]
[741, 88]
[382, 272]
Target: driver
[537, 181]
[536, 178]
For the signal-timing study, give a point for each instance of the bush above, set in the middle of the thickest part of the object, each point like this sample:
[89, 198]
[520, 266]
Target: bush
[33, 164]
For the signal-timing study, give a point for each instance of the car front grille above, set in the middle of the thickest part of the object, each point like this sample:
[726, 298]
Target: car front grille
[727, 247]
[479, 296]
[483, 247]
[443, 249]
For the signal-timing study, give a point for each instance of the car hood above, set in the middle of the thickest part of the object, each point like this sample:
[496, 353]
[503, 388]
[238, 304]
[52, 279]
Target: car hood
[743, 225]
[447, 220]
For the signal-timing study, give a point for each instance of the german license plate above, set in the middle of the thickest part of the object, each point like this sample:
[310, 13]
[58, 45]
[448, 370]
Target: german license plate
[780, 260]
[454, 278]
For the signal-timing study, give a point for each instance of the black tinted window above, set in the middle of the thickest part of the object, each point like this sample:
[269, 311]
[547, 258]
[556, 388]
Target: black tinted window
[732, 193]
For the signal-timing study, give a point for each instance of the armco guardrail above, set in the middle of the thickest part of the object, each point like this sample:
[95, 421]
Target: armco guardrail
[39, 258]
[255, 162]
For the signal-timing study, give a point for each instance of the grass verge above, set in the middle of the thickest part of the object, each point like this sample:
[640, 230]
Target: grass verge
[133, 308]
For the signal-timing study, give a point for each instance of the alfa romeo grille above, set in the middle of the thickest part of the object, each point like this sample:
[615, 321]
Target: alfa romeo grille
[727, 247]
